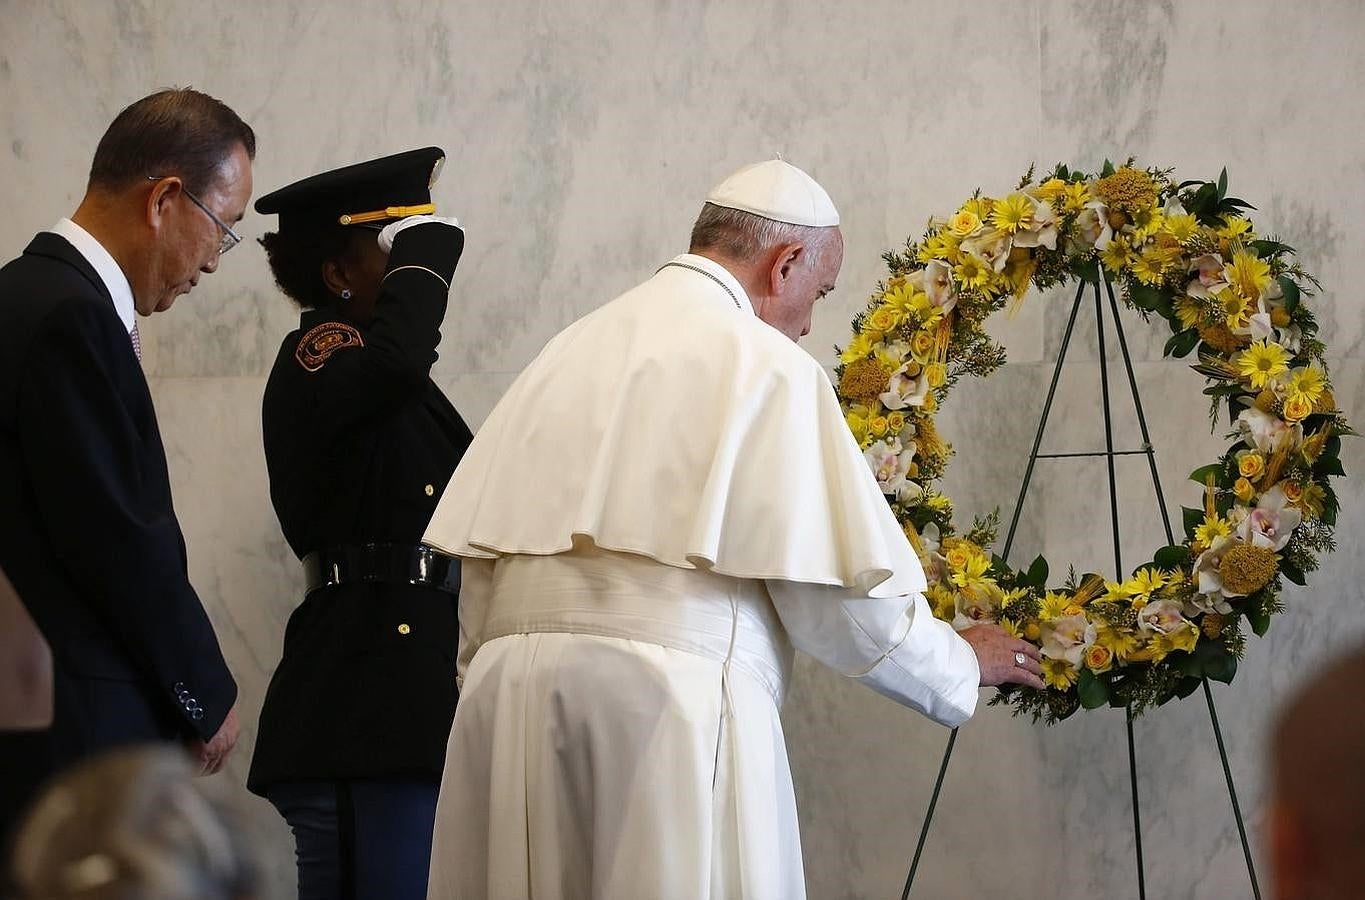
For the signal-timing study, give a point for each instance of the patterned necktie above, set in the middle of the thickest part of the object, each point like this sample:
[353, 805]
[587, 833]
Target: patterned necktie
[137, 342]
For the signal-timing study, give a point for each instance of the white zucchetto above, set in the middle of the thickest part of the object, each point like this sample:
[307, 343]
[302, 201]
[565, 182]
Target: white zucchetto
[776, 190]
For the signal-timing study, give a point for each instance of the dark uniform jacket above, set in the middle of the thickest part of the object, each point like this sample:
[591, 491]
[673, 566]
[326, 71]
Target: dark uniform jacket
[360, 443]
[88, 535]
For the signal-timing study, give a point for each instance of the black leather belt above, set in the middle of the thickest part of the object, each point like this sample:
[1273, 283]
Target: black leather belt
[411, 564]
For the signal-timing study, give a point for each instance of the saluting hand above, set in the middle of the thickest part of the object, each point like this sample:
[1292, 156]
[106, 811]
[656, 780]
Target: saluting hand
[214, 754]
[1002, 657]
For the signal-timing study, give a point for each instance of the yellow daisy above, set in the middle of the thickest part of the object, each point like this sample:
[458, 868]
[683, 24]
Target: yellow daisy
[1014, 213]
[1248, 274]
[1262, 362]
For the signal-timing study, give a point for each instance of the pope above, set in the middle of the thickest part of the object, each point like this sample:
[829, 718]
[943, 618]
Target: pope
[664, 505]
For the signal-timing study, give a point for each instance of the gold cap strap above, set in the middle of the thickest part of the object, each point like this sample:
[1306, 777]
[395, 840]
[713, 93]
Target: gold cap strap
[389, 212]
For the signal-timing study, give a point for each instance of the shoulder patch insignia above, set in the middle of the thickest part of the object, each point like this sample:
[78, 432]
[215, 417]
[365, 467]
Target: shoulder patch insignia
[322, 341]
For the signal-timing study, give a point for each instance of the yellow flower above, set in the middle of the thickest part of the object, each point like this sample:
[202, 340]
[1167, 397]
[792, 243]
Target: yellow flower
[1243, 490]
[1059, 674]
[895, 421]
[1234, 227]
[1308, 382]
[1313, 500]
[1189, 310]
[1261, 362]
[1128, 189]
[1297, 407]
[881, 320]
[1012, 628]
[1077, 196]
[877, 425]
[935, 374]
[1014, 213]
[1148, 265]
[922, 344]
[930, 404]
[1211, 529]
[1246, 568]
[1184, 638]
[858, 348]
[1248, 274]
[964, 223]
[1099, 658]
[943, 245]
[1051, 189]
[1237, 309]
[1181, 227]
[1213, 624]
[1053, 606]
[973, 272]
[900, 297]
[1032, 632]
[1251, 464]
[858, 425]
[1116, 255]
[1119, 590]
[863, 380]
[1293, 491]
[1147, 580]
[1121, 643]
[980, 207]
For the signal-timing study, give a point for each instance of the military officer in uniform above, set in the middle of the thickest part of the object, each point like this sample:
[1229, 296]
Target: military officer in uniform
[359, 444]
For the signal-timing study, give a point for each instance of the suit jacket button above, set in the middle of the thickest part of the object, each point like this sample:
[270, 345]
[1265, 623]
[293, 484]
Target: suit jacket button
[196, 714]
[404, 628]
[431, 491]
[178, 687]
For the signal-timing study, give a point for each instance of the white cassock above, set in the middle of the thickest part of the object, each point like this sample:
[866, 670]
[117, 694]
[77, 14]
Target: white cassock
[664, 504]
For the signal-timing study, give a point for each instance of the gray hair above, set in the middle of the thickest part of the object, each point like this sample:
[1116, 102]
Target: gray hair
[743, 236]
[134, 823]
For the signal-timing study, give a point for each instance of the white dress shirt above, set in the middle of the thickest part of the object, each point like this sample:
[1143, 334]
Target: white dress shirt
[104, 265]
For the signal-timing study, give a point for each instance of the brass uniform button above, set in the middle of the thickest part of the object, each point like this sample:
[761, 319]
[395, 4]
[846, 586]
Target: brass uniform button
[404, 628]
[430, 490]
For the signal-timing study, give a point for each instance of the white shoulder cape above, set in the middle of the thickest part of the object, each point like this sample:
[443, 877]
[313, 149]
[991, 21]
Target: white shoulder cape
[675, 424]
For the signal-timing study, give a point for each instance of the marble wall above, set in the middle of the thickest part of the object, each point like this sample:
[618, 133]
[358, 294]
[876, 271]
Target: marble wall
[581, 137]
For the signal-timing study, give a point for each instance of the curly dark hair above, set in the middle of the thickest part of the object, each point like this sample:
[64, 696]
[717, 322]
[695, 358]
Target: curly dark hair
[296, 258]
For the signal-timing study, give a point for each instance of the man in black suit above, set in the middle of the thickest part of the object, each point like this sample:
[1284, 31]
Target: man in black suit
[88, 535]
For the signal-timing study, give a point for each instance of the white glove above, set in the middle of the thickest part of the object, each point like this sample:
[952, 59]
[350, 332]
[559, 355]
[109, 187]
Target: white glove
[387, 234]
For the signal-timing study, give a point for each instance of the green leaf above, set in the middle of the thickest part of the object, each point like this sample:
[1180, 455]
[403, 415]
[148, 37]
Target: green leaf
[1330, 505]
[1218, 661]
[1037, 573]
[1188, 665]
[1259, 620]
[1192, 519]
[1201, 474]
[1181, 344]
[1291, 293]
[1091, 690]
[1186, 686]
[1332, 449]
[1144, 296]
[1107, 170]
[1328, 466]
[1292, 573]
[1223, 183]
[1172, 557]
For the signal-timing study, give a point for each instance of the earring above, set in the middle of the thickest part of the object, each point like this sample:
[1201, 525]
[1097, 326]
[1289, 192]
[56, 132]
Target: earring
[345, 293]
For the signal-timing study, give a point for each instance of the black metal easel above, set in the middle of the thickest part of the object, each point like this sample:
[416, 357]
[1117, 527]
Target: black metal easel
[1109, 453]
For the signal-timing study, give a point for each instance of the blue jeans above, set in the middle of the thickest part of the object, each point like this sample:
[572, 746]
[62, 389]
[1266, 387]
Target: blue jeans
[360, 840]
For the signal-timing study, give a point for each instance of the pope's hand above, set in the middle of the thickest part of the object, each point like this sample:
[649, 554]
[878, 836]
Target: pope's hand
[390, 230]
[1002, 657]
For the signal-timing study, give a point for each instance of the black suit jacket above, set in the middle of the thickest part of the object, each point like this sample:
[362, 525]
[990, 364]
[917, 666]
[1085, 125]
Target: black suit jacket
[360, 443]
[88, 535]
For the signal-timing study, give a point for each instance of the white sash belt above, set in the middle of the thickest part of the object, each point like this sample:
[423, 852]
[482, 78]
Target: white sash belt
[617, 595]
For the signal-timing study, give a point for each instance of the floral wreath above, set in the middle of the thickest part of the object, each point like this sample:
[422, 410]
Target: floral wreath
[1186, 253]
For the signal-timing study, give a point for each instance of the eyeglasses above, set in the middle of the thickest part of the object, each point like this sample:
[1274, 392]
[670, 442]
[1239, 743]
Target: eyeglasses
[229, 239]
